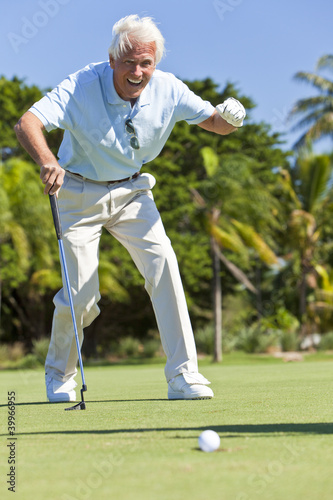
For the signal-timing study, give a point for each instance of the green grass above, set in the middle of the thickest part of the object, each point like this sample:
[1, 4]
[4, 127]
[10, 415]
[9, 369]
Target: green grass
[131, 443]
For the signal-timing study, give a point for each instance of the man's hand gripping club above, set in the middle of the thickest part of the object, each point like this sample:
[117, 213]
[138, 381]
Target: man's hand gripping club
[29, 131]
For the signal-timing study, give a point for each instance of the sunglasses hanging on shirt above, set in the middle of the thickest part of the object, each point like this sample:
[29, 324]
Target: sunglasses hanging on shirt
[129, 127]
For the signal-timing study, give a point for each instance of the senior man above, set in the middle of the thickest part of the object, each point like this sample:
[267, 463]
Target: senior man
[117, 116]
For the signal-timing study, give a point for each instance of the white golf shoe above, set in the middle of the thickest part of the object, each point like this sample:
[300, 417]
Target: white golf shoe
[58, 391]
[189, 386]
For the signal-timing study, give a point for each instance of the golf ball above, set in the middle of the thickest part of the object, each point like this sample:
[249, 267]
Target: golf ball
[209, 441]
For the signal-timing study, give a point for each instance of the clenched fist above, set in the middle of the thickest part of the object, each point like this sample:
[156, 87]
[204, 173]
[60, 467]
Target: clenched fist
[52, 175]
[232, 111]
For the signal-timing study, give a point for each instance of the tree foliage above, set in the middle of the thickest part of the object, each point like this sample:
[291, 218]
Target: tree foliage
[311, 182]
[316, 113]
[254, 203]
[15, 99]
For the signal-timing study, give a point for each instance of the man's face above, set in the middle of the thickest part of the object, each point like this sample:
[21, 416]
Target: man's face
[133, 70]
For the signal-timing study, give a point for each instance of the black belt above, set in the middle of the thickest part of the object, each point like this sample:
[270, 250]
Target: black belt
[106, 183]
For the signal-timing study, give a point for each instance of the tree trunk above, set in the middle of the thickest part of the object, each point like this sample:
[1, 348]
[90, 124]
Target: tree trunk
[302, 301]
[258, 288]
[217, 301]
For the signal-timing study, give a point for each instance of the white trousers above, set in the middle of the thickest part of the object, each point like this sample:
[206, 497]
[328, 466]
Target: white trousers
[128, 211]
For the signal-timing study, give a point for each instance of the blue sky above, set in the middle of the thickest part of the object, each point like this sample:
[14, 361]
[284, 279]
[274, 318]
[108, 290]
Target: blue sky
[257, 44]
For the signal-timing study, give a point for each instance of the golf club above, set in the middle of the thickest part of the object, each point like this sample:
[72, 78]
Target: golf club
[57, 225]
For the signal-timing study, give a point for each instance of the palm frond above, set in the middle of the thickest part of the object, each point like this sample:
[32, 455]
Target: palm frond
[322, 102]
[287, 184]
[321, 173]
[322, 128]
[311, 118]
[255, 241]
[301, 142]
[317, 81]
[325, 62]
[227, 240]
[313, 173]
[303, 224]
[318, 110]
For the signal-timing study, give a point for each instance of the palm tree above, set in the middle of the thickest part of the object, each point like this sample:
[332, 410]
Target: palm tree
[322, 305]
[225, 231]
[316, 112]
[311, 191]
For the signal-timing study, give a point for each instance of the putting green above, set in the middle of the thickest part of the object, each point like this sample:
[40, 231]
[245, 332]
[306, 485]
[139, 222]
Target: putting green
[131, 443]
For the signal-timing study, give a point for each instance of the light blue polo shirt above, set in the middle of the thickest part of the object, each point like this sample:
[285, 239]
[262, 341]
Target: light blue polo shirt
[96, 144]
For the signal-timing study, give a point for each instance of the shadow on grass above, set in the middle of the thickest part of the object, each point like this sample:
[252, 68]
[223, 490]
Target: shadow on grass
[35, 403]
[263, 430]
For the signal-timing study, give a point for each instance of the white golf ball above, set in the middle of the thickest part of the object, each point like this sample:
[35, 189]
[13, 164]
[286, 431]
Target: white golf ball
[209, 441]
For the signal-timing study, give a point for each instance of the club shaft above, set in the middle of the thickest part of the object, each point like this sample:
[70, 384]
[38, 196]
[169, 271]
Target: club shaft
[58, 229]
[70, 298]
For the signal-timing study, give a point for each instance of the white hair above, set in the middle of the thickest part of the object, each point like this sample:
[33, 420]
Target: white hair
[134, 29]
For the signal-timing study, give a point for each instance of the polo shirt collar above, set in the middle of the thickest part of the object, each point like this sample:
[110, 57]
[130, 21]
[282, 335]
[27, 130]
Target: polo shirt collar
[111, 93]
[113, 97]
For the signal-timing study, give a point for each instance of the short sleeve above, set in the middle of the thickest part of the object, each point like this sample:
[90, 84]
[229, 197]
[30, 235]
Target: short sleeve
[190, 107]
[57, 108]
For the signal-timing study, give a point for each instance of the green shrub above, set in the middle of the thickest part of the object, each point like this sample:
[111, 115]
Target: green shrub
[269, 341]
[289, 341]
[326, 343]
[204, 339]
[248, 340]
[4, 353]
[16, 351]
[229, 342]
[255, 339]
[282, 320]
[40, 348]
[151, 348]
[128, 346]
[28, 362]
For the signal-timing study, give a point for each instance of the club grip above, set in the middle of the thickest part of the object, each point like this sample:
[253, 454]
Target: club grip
[55, 214]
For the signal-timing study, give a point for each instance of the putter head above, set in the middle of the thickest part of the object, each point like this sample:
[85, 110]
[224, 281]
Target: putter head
[82, 404]
[78, 406]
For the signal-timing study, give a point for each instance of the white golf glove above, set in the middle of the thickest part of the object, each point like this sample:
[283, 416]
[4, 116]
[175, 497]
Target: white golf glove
[232, 111]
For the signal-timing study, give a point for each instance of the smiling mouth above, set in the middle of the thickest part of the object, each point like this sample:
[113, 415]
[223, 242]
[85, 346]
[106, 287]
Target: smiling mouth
[134, 83]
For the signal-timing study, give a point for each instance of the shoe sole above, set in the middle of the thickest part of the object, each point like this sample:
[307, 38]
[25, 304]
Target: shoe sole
[175, 398]
[179, 395]
[63, 397]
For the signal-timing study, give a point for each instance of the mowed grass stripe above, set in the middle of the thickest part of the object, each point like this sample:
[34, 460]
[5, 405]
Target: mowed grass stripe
[274, 420]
